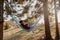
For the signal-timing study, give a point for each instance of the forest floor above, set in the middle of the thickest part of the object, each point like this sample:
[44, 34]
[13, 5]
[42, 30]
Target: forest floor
[37, 34]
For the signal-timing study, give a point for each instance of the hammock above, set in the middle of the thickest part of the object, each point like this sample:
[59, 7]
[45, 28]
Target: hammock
[19, 24]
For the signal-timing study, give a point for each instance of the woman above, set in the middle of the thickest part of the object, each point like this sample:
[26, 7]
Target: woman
[25, 26]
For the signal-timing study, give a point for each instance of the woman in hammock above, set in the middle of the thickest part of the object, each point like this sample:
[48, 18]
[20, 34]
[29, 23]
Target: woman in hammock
[25, 26]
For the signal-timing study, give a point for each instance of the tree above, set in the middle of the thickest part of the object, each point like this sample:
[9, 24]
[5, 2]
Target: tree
[59, 3]
[47, 27]
[57, 29]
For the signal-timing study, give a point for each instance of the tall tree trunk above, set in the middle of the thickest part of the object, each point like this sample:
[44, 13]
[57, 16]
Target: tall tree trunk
[59, 3]
[57, 29]
[47, 27]
[1, 19]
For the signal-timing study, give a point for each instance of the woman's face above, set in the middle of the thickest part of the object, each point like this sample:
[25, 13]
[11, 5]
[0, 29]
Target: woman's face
[25, 22]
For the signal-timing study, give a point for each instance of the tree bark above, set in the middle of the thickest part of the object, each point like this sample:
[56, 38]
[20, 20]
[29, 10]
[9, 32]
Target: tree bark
[59, 3]
[1, 19]
[57, 29]
[47, 27]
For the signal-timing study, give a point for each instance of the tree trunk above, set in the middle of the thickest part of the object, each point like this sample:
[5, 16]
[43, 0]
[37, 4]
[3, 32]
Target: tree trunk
[1, 19]
[47, 27]
[57, 29]
[59, 3]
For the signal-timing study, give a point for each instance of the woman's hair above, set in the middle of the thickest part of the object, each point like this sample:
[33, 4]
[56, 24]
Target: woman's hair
[21, 21]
